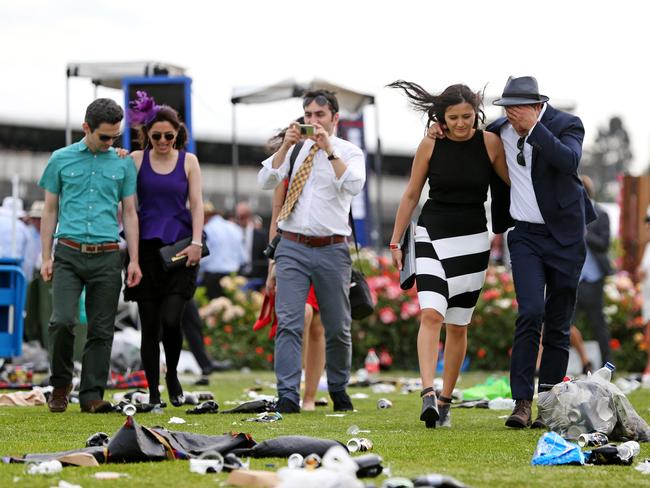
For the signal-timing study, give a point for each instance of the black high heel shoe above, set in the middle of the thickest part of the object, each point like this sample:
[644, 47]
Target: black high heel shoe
[444, 411]
[175, 390]
[429, 413]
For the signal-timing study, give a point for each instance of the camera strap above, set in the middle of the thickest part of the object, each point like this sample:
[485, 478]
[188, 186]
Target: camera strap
[294, 156]
[356, 242]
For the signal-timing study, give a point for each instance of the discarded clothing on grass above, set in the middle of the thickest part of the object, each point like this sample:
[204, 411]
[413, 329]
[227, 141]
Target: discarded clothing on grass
[254, 406]
[285, 446]
[73, 457]
[30, 398]
[209, 406]
[554, 450]
[135, 443]
[587, 405]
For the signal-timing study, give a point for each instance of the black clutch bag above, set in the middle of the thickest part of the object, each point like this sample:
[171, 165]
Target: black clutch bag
[407, 275]
[170, 260]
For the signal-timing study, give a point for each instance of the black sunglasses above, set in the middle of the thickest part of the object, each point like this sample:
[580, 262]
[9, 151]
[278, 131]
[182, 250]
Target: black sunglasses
[106, 137]
[521, 160]
[169, 136]
[321, 100]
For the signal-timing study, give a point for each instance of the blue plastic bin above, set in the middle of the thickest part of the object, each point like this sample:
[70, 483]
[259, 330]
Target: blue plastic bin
[13, 288]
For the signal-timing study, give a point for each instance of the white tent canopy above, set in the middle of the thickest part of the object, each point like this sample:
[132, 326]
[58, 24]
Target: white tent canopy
[110, 75]
[350, 101]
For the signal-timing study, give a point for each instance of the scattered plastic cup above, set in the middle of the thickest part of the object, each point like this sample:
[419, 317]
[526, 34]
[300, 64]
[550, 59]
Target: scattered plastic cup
[208, 462]
[354, 430]
[45, 467]
[295, 461]
[129, 410]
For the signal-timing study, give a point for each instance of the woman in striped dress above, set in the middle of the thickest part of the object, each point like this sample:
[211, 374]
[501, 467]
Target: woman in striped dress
[451, 241]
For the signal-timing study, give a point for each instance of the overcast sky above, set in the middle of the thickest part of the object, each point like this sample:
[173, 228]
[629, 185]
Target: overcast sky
[591, 53]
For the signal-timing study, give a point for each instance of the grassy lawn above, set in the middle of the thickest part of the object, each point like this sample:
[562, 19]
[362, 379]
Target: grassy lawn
[478, 450]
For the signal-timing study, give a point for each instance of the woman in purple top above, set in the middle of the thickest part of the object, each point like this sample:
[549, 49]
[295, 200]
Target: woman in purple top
[168, 177]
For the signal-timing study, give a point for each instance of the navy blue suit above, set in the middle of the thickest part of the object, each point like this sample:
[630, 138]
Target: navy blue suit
[547, 258]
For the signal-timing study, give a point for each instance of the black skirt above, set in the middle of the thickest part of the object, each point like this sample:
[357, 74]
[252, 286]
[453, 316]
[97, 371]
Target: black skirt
[157, 283]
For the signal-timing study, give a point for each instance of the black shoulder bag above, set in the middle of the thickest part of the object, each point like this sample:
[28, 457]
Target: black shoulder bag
[361, 304]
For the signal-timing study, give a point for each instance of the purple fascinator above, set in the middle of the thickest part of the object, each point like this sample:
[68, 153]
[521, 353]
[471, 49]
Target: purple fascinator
[142, 110]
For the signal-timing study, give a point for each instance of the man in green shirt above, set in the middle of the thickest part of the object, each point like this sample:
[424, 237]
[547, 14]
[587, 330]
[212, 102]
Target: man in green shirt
[84, 184]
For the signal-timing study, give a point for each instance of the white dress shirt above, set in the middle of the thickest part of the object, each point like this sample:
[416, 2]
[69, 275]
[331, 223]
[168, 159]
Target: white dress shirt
[225, 241]
[324, 205]
[523, 203]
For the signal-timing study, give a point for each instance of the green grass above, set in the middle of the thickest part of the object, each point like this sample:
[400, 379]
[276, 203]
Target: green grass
[478, 450]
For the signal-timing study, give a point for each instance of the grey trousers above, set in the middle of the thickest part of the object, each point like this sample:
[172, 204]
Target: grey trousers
[328, 268]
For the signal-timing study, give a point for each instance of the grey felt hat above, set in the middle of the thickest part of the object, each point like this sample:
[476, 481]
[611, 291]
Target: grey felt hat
[520, 91]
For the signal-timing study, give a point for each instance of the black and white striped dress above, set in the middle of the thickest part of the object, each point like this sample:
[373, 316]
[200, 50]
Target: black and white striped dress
[452, 245]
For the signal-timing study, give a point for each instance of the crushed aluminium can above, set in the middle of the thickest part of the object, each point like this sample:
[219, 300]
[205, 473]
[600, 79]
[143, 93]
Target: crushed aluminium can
[384, 403]
[359, 444]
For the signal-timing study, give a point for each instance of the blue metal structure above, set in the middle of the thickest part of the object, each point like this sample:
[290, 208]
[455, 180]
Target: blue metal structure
[175, 91]
[13, 288]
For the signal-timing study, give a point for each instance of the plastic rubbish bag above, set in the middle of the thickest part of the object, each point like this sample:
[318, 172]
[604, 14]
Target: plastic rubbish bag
[591, 405]
[554, 450]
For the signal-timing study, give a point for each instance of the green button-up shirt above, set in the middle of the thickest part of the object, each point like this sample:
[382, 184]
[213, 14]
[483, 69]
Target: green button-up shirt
[90, 186]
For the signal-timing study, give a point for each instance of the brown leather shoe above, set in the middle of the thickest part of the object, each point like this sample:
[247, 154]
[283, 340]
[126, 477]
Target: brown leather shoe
[538, 423]
[521, 414]
[97, 406]
[58, 401]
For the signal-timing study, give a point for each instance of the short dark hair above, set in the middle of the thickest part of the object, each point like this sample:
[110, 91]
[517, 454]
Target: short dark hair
[103, 110]
[321, 97]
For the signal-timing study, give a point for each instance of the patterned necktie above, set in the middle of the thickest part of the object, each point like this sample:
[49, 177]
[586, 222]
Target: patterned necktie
[298, 183]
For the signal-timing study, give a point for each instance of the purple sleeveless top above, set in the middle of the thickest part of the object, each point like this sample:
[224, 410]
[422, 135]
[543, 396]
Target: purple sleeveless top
[162, 199]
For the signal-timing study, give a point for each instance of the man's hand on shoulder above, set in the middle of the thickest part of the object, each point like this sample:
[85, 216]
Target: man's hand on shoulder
[121, 152]
[435, 131]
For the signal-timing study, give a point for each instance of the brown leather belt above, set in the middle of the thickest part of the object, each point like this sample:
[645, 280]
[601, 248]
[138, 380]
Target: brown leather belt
[91, 248]
[313, 241]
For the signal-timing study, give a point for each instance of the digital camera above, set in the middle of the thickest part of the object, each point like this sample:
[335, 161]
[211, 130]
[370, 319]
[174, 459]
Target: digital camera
[307, 130]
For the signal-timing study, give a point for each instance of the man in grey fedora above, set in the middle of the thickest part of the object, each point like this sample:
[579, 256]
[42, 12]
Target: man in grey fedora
[550, 210]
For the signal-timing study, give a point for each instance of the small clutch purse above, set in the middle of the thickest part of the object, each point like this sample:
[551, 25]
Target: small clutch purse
[407, 275]
[170, 260]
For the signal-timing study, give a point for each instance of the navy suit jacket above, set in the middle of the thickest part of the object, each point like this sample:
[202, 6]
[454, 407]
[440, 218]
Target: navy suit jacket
[562, 200]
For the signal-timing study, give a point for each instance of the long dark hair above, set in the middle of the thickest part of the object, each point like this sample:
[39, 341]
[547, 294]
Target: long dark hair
[165, 114]
[435, 106]
[274, 143]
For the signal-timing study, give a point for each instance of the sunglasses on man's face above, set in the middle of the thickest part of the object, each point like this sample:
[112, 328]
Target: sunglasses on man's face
[106, 137]
[521, 160]
[169, 136]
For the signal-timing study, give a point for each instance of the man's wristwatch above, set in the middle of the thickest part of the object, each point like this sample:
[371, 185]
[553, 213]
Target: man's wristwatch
[332, 156]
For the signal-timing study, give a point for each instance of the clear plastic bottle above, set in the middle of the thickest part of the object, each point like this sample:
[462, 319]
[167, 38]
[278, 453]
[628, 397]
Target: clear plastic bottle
[628, 450]
[604, 373]
[371, 364]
